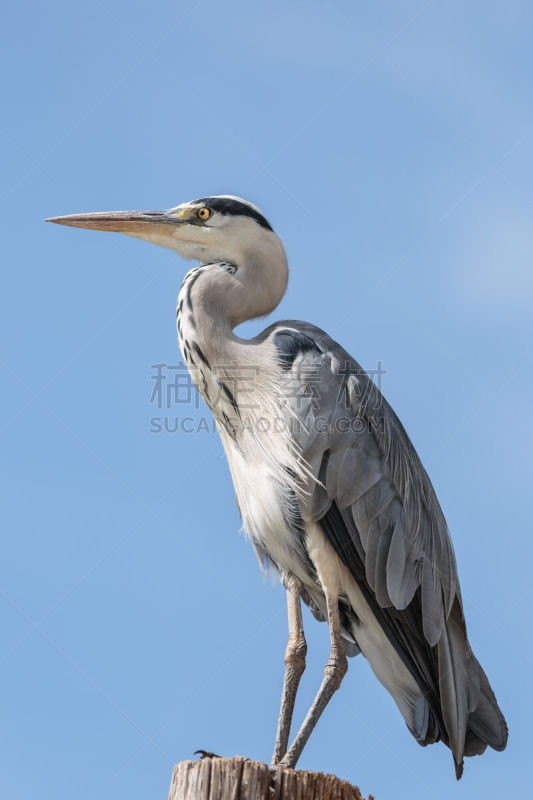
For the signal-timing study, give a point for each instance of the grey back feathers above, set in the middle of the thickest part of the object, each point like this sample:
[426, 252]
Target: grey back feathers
[378, 509]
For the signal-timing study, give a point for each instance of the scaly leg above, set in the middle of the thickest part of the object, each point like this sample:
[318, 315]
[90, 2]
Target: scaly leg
[294, 668]
[334, 672]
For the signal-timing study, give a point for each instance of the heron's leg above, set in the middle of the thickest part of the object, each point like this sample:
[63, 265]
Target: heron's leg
[334, 672]
[294, 668]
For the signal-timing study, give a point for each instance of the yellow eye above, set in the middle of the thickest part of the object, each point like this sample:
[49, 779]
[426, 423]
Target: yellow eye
[203, 213]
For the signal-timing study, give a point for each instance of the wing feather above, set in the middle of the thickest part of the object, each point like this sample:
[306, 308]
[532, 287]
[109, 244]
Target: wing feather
[377, 506]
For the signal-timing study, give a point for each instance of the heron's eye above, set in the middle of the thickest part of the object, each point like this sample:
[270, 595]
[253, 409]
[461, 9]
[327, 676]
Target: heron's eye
[203, 213]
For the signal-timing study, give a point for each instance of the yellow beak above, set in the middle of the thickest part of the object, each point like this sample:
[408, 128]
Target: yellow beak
[132, 222]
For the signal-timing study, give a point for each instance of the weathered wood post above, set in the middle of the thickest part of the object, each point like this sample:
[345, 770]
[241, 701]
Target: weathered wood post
[241, 779]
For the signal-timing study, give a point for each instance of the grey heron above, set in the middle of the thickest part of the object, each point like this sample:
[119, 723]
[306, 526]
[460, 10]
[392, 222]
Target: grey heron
[331, 491]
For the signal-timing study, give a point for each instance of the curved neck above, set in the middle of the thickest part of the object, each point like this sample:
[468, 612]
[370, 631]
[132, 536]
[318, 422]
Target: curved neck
[215, 298]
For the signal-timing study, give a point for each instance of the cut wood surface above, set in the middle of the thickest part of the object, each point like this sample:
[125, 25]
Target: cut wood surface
[241, 779]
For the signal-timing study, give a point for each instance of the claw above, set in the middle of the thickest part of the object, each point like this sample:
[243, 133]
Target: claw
[205, 754]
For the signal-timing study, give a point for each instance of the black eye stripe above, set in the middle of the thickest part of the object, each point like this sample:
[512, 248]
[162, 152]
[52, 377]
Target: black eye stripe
[234, 208]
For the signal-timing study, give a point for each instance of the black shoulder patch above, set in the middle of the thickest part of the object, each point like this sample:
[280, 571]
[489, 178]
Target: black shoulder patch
[235, 208]
[290, 344]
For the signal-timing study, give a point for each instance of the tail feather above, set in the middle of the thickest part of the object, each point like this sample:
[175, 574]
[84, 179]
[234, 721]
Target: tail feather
[453, 679]
[470, 710]
[453, 701]
[456, 703]
[439, 686]
[486, 723]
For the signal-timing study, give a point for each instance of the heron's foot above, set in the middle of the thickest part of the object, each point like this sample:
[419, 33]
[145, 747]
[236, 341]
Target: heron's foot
[205, 754]
[286, 763]
[275, 761]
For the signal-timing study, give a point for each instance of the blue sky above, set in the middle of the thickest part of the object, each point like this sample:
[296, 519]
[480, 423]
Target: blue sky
[390, 145]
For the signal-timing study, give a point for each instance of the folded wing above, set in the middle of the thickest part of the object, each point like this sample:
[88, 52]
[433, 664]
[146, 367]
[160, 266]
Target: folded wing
[376, 505]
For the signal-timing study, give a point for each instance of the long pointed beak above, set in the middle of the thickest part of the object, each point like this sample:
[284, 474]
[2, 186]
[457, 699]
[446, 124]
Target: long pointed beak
[132, 222]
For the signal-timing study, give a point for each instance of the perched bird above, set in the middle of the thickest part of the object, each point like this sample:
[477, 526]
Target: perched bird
[330, 489]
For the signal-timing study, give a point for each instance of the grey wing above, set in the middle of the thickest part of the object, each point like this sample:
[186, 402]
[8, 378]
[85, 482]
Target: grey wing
[375, 503]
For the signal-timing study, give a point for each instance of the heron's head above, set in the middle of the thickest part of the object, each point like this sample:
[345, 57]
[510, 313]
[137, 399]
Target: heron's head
[221, 228]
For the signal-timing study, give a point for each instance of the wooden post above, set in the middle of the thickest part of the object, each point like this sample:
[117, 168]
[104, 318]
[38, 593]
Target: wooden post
[241, 779]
